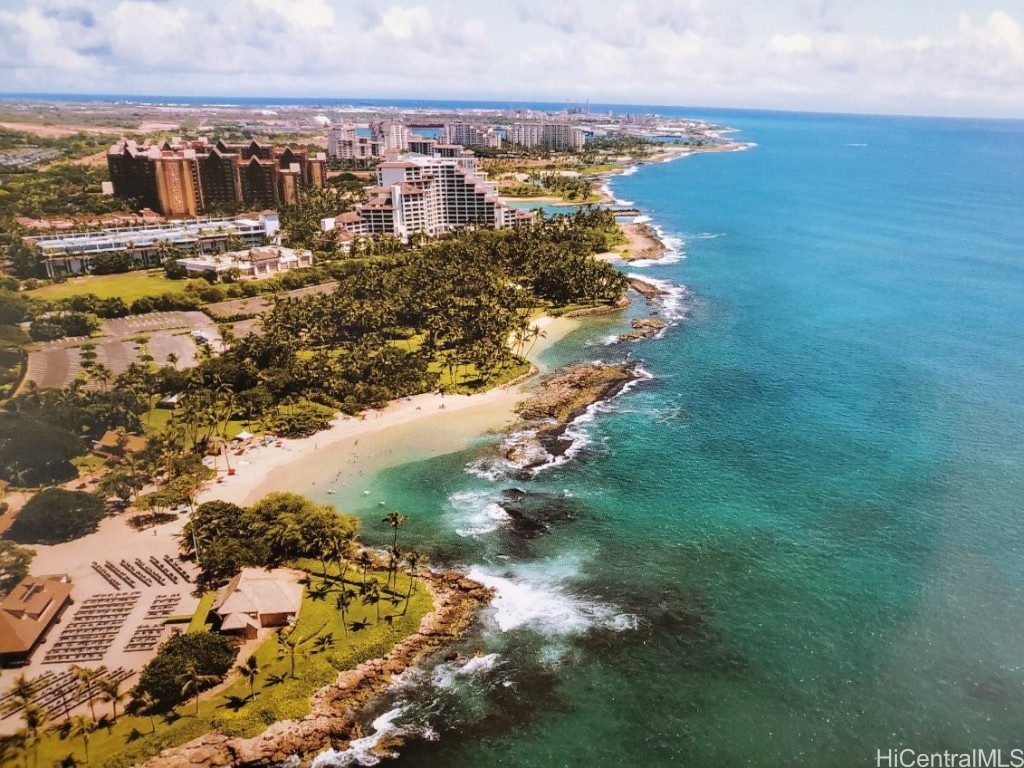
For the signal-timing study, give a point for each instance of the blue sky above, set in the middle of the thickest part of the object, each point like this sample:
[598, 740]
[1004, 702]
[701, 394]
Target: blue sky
[944, 57]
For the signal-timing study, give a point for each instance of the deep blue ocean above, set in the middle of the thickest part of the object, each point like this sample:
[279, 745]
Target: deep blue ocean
[801, 540]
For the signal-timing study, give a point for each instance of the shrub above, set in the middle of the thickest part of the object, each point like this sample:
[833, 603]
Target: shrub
[111, 263]
[13, 308]
[209, 653]
[54, 516]
[302, 420]
[44, 331]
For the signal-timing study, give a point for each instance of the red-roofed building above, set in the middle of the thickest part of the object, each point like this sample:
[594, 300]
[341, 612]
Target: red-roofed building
[27, 613]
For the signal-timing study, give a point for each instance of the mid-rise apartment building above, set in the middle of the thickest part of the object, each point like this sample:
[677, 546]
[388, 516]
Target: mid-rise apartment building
[393, 134]
[469, 135]
[188, 178]
[345, 144]
[559, 137]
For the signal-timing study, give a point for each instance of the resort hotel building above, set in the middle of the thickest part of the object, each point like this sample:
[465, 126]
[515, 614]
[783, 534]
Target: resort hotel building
[188, 178]
[431, 194]
[70, 253]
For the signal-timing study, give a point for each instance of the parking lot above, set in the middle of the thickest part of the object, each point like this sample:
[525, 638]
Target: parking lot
[166, 336]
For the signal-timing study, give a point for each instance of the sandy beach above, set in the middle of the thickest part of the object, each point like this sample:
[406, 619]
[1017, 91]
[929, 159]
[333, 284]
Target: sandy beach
[344, 458]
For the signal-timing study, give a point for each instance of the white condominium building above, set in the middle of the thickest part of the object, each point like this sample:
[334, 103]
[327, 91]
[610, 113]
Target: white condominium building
[469, 135]
[344, 143]
[336, 134]
[556, 136]
[391, 133]
[430, 194]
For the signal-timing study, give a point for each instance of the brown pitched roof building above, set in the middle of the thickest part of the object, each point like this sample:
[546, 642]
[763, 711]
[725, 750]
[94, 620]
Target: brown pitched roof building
[27, 613]
[256, 598]
[111, 445]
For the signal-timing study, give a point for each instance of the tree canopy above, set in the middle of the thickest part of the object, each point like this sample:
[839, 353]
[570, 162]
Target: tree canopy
[224, 537]
[33, 452]
[211, 655]
[54, 515]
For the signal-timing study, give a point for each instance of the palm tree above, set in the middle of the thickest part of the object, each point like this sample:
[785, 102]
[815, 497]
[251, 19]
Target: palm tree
[412, 557]
[83, 726]
[343, 543]
[147, 706]
[250, 671]
[103, 375]
[291, 646]
[372, 597]
[87, 677]
[192, 683]
[36, 718]
[21, 691]
[395, 519]
[110, 691]
[365, 561]
[12, 747]
[343, 601]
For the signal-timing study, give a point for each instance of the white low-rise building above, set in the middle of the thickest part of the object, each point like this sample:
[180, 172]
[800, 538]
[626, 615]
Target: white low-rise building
[252, 264]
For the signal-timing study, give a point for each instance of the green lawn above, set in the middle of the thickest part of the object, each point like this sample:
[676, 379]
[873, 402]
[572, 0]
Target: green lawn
[128, 286]
[279, 695]
[198, 622]
[156, 420]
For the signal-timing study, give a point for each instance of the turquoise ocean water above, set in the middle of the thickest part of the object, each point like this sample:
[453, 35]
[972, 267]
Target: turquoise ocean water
[801, 539]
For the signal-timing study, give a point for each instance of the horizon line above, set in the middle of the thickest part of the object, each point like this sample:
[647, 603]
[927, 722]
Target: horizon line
[389, 101]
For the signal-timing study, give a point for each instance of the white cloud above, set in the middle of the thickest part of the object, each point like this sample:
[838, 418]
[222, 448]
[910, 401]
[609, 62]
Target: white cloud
[402, 23]
[791, 43]
[797, 54]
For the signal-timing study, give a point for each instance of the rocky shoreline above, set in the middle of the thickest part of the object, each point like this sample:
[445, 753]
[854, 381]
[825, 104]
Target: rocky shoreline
[569, 393]
[647, 290]
[559, 400]
[645, 328]
[332, 724]
[642, 242]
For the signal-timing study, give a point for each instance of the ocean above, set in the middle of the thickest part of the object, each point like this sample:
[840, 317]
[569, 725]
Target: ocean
[798, 540]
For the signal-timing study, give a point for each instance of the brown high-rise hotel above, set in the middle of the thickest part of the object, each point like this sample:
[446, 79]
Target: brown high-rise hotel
[189, 178]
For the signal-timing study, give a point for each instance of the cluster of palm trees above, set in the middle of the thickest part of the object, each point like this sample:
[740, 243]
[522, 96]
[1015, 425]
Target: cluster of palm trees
[370, 591]
[92, 684]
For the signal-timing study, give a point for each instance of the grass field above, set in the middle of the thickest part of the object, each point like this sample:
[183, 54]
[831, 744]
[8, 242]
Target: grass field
[279, 694]
[128, 286]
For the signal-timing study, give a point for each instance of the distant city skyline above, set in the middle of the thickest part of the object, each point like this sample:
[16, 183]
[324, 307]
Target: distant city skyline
[927, 57]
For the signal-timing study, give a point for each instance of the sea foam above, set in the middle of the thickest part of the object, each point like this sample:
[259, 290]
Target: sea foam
[367, 750]
[536, 596]
[475, 513]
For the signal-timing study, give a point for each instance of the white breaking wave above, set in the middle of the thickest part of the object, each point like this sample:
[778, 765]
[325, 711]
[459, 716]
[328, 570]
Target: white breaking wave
[641, 219]
[445, 675]
[367, 750]
[673, 300]
[537, 596]
[675, 250]
[476, 513]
